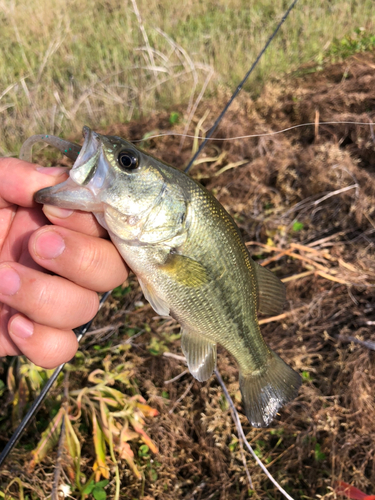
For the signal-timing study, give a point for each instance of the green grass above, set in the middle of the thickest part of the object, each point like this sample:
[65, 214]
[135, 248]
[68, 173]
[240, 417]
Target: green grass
[65, 63]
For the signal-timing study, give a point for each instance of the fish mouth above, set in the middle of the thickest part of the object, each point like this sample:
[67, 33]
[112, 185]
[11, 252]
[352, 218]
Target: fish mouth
[86, 178]
[85, 166]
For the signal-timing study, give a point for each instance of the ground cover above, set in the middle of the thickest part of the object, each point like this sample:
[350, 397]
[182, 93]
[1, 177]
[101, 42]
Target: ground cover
[304, 201]
[89, 62]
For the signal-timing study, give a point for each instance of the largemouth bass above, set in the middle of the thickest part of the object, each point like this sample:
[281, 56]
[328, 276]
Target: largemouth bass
[190, 260]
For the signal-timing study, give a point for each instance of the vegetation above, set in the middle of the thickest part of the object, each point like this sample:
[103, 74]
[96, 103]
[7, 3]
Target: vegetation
[128, 421]
[81, 62]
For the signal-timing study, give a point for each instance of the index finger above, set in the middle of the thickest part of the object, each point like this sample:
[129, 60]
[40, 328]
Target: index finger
[19, 180]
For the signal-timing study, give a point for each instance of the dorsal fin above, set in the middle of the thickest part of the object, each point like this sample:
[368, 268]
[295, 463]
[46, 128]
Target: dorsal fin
[271, 290]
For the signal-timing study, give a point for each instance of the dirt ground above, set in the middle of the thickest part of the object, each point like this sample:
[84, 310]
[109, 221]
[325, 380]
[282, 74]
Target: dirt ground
[305, 203]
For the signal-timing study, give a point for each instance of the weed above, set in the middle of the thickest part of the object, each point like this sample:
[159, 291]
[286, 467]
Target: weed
[174, 117]
[297, 226]
[306, 376]
[318, 454]
[360, 40]
[85, 62]
[116, 420]
[96, 489]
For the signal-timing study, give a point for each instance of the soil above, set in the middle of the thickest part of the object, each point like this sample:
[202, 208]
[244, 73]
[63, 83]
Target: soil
[305, 203]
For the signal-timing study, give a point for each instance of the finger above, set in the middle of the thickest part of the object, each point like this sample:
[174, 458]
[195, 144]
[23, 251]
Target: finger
[7, 346]
[48, 300]
[45, 346]
[19, 180]
[76, 220]
[90, 262]
[14, 244]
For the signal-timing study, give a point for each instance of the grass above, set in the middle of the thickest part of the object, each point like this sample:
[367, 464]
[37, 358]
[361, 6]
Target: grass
[81, 62]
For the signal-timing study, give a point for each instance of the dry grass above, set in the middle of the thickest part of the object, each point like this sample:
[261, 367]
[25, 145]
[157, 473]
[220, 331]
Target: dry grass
[305, 203]
[64, 64]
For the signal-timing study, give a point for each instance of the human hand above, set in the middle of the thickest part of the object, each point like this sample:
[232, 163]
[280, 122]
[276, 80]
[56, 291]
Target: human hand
[38, 310]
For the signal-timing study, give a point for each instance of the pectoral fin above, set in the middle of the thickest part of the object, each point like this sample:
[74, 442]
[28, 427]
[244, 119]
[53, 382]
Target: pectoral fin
[271, 291]
[200, 355]
[185, 271]
[159, 305]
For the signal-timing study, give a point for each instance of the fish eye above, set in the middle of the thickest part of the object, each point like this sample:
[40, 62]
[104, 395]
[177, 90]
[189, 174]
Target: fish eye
[127, 160]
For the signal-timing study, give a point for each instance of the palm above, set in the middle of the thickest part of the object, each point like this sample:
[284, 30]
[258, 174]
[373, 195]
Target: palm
[57, 269]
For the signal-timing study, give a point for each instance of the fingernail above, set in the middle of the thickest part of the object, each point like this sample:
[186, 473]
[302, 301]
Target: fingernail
[21, 327]
[10, 282]
[61, 213]
[49, 245]
[54, 171]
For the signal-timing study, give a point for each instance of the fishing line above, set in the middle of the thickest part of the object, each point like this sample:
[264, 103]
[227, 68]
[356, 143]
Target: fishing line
[239, 88]
[35, 406]
[236, 420]
[265, 134]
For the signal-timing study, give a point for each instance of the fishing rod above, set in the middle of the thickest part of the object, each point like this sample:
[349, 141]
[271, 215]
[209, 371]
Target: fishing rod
[39, 400]
[82, 331]
[239, 88]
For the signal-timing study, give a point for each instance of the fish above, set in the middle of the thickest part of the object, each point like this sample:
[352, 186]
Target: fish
[190, 260]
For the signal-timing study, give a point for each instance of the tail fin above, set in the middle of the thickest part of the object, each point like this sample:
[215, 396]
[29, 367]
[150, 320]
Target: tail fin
[264, 392]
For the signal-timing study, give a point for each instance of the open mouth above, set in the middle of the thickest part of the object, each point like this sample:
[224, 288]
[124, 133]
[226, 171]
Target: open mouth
[85, 165]
[87, 169]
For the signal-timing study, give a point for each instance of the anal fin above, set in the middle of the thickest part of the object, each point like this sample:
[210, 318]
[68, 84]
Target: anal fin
[200, 355]
[271, 291]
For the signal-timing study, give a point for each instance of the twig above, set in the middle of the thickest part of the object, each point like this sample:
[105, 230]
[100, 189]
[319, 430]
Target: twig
[372, 130]
[332, 278]
[185, 393]
[280, 316]
[316, 124]
[243, 458]
[281, 253]
[197, 489]
[334, 193]
[281, 455]
[364, 343]
[241, 433]
[175, 356]
[298, 276]
[311, 264]
[324, 240]
[194, 107]
[145, 38]
[308, 249]
[104, 329]
[176, 378]
[130, 339]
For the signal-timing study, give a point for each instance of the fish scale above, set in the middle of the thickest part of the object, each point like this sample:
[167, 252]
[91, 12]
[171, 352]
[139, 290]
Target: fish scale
[191, 262]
